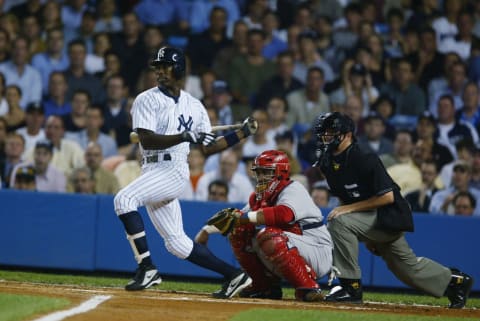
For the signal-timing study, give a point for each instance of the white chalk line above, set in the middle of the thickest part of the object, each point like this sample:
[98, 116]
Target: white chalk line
[86, 306]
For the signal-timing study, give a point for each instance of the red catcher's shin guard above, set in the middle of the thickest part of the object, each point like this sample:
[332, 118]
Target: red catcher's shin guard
[287, 262]
[241, 243]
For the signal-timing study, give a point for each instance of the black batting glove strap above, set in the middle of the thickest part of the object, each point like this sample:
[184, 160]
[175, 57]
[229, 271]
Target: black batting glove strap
[206, 139]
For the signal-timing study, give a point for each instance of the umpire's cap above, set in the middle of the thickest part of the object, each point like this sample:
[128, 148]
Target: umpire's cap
[173, 56]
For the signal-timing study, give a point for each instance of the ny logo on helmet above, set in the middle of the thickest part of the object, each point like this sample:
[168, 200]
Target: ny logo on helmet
[161, 53]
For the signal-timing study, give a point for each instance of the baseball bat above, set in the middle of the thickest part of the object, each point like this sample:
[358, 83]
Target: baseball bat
[134, 136]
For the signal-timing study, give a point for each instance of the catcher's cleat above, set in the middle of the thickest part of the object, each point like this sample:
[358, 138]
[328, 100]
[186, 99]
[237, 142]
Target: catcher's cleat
[145, 277]
[458, 289]
[273, 293]
[231, 287]
[309, 295]
[349, 291]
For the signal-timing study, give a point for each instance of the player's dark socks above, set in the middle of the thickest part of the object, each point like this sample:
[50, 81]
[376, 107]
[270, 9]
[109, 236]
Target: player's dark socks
[134, 227]
[202, 256]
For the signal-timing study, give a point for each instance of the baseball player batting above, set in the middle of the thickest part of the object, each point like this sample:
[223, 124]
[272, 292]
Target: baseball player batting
[168, 119]
[294, 245]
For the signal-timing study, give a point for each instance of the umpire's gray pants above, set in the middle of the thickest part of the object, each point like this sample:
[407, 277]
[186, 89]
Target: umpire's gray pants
[420, 273]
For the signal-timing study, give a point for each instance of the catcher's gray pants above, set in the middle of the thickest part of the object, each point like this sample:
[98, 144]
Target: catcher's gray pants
[420, 273]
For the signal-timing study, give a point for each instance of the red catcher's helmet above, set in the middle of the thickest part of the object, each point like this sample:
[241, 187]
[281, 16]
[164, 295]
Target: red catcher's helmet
[272, 171]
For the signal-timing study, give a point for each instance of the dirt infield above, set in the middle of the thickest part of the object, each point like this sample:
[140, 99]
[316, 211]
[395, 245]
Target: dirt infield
[156, 304]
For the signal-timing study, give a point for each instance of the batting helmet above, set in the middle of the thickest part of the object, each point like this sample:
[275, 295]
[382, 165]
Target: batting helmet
[272, 170]
[330, 127]
[172, 56]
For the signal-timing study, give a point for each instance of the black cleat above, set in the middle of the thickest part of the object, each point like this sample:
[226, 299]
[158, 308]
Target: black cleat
[145, 277]
[458, 289]
[273, 293]
[231, 287]
[349, 291]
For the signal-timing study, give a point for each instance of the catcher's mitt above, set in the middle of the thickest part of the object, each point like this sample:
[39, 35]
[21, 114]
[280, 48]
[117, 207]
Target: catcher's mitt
[225, 220]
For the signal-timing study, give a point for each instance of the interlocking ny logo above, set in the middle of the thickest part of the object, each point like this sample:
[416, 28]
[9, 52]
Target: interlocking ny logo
[185, 124]
[161, 53]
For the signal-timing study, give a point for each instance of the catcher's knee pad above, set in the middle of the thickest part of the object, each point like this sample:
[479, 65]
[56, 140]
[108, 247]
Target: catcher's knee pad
[124, 203]
[286, 261]
[179, 245]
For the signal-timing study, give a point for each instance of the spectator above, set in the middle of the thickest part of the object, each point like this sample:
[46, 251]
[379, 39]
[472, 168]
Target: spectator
[320, 195]
[402, 149]
[424, 14]
[114, 110]
[77, 119]
[324, 28]
[239, 185]
[440, 83]
[409, 98]
[461, 43]
[309, 57]
[420, 199]
[29, 7]
[105, 181]
[56, 102]
[282, 83]
[129, 45]
[249, 72]
[385, 107]
[358, 83]
[67, 154]
[92, 133]
[426, 129]
[77, 76]
[207, 79]
[373, 139]
[442, 201]
[53, 59]
[85, 32]
[47, 177]
[221, 102]
[19, 72]
[153, 39]
[470, 112]
[273, 44]
[3, 137]
[196, 164]
[14, 148]
[112, 67]
[260, 141]
[277, 111]
[82, 181]
[31, 29]
[347, 29]
[377, 65]
[16, 116]
[353, 108]
[465, 150]
[238, 47]
[107, 20]
[306, 103]
[4, 45]
[33, 131]
[218, 191]
[427, 60]
[200, 17]
[51, 17]
[464, 204]
[159, 13]
[393, 38]
[446, 25]
[25, 179]
[475, 181]
[129, 169]
[95, 60]
[456, 80]
[10, 23]
[450, 131]
[255, 11]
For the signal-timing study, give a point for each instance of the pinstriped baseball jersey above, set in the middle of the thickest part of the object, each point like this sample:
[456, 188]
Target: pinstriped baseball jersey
[156, 111]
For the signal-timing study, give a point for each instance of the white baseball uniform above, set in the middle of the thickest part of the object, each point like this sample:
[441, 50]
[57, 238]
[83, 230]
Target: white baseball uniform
[165, 173]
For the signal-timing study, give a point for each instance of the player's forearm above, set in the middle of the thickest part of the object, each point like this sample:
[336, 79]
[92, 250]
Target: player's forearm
[155, 141]
[224, 142]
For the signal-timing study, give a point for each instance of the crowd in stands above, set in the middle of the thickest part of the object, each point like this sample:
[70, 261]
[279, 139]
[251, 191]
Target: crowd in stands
[407, 73]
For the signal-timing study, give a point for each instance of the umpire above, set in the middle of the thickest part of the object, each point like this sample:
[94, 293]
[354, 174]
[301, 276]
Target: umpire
[373, 211]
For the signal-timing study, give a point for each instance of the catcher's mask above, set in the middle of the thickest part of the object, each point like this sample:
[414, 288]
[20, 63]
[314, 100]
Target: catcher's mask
[330, 129]
[272, 171]
[171, 56]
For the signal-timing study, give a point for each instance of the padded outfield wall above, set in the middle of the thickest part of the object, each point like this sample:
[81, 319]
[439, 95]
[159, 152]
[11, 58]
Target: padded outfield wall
[82, 233]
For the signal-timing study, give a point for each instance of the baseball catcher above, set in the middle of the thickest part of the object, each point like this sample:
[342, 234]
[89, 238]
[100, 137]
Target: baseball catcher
[294, 244]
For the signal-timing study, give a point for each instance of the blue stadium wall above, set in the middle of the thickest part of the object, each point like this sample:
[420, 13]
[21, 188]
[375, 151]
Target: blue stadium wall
[78, 232]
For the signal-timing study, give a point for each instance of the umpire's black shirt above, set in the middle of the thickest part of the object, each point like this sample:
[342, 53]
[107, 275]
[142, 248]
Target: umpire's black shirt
[355, 175]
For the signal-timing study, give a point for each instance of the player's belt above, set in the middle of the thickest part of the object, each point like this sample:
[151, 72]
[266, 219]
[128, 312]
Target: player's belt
[156, 158]
[311, 225]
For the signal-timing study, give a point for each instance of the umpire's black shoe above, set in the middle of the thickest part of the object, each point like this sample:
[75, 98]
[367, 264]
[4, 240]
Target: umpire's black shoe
[231, 287]
[458, 289]
[145, 277]
[349, 291]
[273, 293]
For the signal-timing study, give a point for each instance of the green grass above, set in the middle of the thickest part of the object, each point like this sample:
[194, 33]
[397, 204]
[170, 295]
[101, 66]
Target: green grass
[201, 287]
[307, 315]
[15, 307]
